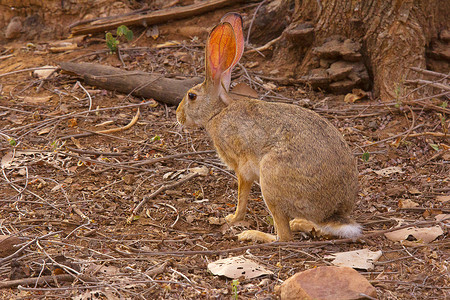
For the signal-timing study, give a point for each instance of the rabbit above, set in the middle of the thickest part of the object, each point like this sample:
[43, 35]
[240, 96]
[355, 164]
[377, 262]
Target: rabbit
[303, 165]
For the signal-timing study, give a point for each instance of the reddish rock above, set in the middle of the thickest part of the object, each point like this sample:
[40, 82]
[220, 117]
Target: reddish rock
[445, 35]
[337, 47]
[325, 283]
[14, 28]
[342, 87]
[8, 245]
[339, 70]
[302, 35]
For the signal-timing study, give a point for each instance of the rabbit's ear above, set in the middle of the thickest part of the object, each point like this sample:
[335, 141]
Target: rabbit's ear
[235, 20]
[220, 53]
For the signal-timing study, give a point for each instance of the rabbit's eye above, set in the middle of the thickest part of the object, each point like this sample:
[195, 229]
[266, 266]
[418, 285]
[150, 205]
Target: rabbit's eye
[192, 96]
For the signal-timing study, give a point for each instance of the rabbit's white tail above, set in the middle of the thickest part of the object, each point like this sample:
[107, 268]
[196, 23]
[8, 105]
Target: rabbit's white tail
[350, 230]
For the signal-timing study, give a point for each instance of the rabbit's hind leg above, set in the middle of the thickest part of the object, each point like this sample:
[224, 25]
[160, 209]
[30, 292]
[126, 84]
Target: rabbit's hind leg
[281, 222]
[244, 187]
[275, 205]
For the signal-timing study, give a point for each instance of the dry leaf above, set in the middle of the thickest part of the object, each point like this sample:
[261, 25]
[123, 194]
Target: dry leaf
[252, 64]
[95, 295]
[44, 72]
[7, 160]
[44, 131]
[355, 95]
[153, 32]
[388, 171]
[269, 86]
[358, 259]
[236, 267]
[414, 191]
[202, 171]
[190, 219]
[93, 269]
[64, 47]
[443, 199]
[72, 122]
[441, 217]
[407, 203]
[57, 187]
[37, 100]
[168, 44]
[109, 122]
[426, 235]
[216, 221]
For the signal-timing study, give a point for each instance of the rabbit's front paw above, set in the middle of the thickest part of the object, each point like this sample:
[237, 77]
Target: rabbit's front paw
[256, 236]
[232, 218]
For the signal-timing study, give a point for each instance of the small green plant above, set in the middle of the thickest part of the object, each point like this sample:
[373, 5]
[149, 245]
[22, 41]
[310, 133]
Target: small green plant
[54, 145]
[156, 138]
[435, 147]
[365, 156]
[234, 285]
[398, 92]
[113, 42]
[270, 220]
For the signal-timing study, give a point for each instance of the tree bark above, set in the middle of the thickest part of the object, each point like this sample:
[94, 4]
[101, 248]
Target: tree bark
[394, 36]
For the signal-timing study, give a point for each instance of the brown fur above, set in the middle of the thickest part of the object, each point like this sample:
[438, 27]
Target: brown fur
[301, 161]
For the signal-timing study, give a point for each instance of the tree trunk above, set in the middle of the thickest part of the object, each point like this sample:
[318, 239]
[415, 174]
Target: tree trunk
[386, 36]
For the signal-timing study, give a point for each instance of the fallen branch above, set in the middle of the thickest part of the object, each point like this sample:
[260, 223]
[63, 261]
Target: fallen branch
[428, 72]
[151, 18]
[435, 156]
[264, 47]
[138, 83]
[430, 83]
[295, 244]
[436, 134]
[423, 209]
[430, 106]
[42, 280]
[159, 191]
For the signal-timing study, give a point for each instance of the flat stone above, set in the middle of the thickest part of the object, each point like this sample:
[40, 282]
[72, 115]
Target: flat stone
[329, 50]
[8, 245]
[14, 28]
[350, 50]
[317, 78]
[360, 76]
[325, 63]
[302, 35]
[336, 47]
[339, 70]
[342, 87]
[445, 35]
[327, 283]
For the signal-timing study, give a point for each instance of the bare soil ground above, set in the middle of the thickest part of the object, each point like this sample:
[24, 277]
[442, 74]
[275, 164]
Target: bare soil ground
[71, 196]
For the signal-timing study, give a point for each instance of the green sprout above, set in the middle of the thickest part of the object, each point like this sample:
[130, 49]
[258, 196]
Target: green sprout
[113, 42]
[156, 138]
[234, 285]
[434, 146]
[365, 156]
[398, 92]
